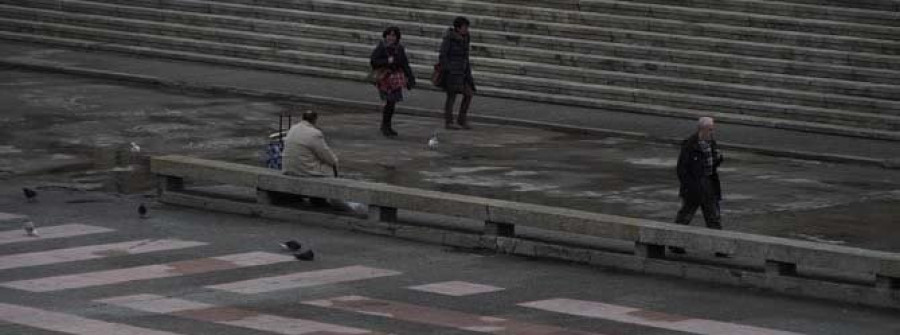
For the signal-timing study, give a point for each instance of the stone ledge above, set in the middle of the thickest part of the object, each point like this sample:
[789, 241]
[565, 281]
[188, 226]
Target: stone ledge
[793, 286]
[695, 239]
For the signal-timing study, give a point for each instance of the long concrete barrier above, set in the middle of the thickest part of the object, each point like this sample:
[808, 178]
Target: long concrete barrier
[779, 264]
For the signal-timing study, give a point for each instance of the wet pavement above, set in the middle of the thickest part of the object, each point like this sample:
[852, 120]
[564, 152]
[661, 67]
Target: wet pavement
[60, 131]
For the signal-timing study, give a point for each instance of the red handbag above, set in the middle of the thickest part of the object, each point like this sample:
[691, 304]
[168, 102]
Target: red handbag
[437, 75]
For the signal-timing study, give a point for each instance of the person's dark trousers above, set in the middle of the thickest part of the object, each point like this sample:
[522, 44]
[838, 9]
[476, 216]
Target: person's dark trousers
[708, 203]
[462, 118]
[387, 114]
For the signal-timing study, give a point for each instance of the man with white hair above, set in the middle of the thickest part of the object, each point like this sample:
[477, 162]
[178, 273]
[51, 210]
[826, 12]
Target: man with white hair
[700, 187]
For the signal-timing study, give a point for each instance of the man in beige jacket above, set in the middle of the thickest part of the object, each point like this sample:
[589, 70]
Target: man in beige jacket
[306, 153]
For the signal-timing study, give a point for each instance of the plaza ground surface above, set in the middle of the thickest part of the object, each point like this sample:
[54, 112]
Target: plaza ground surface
[97, 268]
[77, 132]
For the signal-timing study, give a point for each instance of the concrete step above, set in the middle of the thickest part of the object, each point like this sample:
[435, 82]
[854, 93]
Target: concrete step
[295, 33]
[883, 5]
[509, 82]
[499, 92]
[666, 18]
[579, 51]
[875, 58]
[765, 8]
[501, 66]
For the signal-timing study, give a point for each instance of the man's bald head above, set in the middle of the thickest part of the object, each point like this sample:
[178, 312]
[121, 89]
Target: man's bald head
[705, 127]
[705, 122]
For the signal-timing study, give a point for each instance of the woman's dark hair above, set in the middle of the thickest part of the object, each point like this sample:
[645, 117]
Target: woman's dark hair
[460, 21]
[391, 30]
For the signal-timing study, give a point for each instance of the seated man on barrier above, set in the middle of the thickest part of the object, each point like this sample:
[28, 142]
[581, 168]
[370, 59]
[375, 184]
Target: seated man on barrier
[306, 154]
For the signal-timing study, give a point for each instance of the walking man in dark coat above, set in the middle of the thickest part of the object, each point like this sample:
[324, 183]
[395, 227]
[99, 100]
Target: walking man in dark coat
[456, 71]
[697, 172]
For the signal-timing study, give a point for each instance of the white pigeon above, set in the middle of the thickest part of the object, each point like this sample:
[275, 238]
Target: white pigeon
[135, 148]
[30, 230]
[433, 142]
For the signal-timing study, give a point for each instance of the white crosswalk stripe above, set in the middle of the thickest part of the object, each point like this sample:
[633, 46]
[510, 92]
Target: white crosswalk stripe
[425, 315]
[92, 252]
[229, 316]
[456, 288]
[67, 323]
[174, 269]
[66, 230]
[304, 279]
[648, 318]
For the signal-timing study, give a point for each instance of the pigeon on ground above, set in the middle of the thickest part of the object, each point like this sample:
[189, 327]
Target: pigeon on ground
[30, 230]
[135, 148]
[142, 211]
[433, 142]
[30, 195]
[291, 245]
[307, 255]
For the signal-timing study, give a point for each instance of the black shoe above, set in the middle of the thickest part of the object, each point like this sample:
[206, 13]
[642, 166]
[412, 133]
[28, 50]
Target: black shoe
[386, 132]
[450, 126]
[676, 250]
[722, 255]
[392, 132]
[465, 125]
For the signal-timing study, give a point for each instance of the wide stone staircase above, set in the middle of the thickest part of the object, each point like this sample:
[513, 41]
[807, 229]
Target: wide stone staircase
[814, 65]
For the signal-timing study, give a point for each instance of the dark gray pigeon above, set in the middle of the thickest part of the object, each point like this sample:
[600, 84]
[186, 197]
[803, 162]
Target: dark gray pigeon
[30, 195]
[30, 230]
[142, 211]
[307, 255]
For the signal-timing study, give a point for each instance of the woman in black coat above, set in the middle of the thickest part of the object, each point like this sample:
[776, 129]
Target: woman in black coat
[392, 75]
[456, 76]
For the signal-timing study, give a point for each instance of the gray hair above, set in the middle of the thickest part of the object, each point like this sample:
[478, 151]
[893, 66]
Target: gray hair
[704, 122]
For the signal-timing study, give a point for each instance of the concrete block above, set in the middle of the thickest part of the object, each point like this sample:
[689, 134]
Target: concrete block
[499, 229]
[382, 214]
[526, 248]
[553, 251]
[507, 245]
[888, 284]
[644, 250]
[776, 268]
[264, 197]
